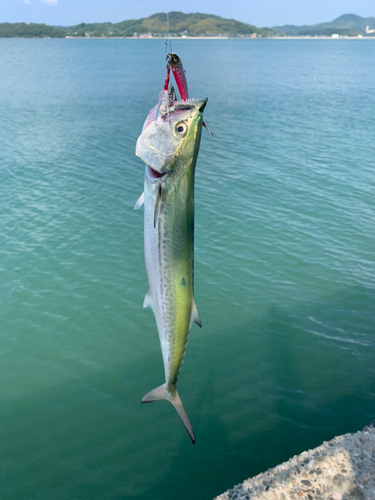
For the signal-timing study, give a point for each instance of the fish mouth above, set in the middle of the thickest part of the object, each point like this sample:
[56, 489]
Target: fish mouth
[153, 175]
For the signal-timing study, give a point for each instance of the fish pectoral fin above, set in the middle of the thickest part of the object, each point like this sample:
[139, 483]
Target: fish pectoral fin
[161, 392]
[194, 316]
[140, 202]
[148, 301]
[157, 202]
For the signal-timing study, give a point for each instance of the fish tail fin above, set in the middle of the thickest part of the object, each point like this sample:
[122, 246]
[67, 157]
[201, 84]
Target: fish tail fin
[176, 401]
[161, 392]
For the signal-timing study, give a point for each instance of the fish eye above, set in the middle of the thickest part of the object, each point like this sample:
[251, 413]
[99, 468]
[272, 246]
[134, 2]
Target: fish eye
[181, 129]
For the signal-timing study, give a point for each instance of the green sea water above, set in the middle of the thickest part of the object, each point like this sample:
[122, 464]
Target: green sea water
[284, 265]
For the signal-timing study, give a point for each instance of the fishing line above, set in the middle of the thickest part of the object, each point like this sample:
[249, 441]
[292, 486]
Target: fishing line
[152, 98]
[168, 49]
[168, 43]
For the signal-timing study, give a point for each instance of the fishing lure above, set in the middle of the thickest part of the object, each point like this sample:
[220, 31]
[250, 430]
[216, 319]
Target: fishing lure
[174, 62]
[179, 75]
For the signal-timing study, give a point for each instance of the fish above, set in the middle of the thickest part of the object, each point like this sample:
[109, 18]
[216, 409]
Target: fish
[169, 146]
[179, 75]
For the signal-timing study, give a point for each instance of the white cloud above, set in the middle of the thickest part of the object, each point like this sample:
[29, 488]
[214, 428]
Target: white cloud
[50, 2]
[26, 1]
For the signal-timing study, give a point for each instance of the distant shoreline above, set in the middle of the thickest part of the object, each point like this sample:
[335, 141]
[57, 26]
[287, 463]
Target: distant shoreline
[221, 38]
[190, 38]
[185, 26]
[321, 38]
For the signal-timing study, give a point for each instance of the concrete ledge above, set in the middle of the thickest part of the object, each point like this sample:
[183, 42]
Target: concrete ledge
[341, 469]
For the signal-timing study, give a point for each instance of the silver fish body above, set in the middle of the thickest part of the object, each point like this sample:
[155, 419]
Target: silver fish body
[169, 146]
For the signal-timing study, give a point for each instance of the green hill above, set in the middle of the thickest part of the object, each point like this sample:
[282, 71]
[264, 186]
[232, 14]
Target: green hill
[179, 24]
[23, 30]
[347, 24]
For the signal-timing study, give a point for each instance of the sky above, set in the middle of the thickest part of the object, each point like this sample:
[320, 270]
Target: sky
[265, 13]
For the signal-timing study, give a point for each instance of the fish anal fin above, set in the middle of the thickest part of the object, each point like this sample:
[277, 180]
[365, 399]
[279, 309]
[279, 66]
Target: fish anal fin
[160, 393]
[139, 202]
[194, 316]
[148, 301]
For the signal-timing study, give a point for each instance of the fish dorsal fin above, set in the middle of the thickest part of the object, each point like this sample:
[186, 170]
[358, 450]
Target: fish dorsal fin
[140, 202]
[148, 301]
[194, 316]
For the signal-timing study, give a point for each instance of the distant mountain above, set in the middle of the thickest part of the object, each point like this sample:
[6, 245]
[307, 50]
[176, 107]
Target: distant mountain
[348, 24]
[197, 24]
[23, 30]
[180, 24]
